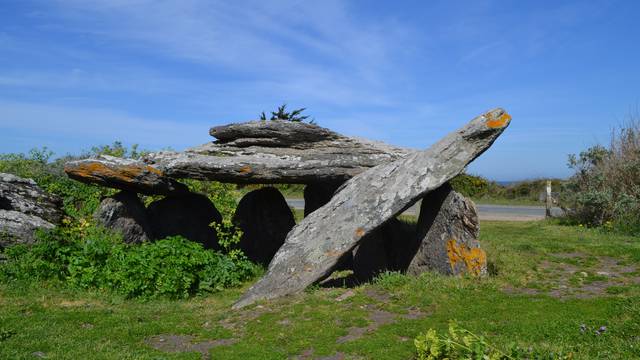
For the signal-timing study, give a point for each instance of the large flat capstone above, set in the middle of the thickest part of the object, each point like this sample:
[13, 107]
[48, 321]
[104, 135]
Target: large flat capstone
[262, 152]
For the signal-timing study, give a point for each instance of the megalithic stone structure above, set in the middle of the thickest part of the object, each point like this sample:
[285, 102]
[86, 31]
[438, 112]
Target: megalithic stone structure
[367, 201]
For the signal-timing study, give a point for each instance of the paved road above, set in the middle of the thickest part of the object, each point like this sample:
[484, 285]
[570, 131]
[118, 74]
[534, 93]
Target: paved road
[485, 212]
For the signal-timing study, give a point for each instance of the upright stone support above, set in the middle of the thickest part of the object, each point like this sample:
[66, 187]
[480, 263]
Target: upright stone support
[126, 214]
[375, 252]
[265, 219]
[188, 215]
[447, 236]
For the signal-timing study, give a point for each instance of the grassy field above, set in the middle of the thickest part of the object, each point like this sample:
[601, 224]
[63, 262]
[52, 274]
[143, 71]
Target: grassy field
[546, 281]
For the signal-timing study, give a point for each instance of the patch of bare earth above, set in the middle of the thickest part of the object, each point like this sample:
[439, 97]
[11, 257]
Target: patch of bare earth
[171, 343]
[571, 275]
[308, 355]
[377, 317]
[238, 319]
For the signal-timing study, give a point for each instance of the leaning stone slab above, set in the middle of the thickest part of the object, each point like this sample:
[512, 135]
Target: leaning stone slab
[367, 201]
[123, 174]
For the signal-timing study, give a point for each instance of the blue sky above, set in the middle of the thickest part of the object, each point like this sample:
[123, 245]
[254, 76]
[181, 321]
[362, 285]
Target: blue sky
[77, 73]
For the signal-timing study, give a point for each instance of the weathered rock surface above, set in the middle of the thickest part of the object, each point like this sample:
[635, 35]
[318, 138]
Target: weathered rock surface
[24, 207]
[447, 237]
[126, 214]
[273, 134]
[123, 174]
[318, 194]
[188, 215]
[265, 219]
[19, 228]
[367, 201]
[261, 152]
[23, 195]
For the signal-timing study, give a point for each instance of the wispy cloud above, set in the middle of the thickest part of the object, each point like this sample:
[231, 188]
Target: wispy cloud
[83, 127]
[288, 43]
[161, 72]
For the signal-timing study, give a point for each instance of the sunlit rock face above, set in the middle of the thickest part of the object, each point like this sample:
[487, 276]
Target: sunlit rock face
[24, 207]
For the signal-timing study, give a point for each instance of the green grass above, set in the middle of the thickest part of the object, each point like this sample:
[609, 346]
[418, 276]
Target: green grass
[515, 305]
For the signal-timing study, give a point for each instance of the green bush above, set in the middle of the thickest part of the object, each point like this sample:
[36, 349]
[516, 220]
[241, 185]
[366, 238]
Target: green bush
[478, 187]
[87, 257]
[605, 188]
[470, 185]
[529, 189]
[282, 114]
[83, 255]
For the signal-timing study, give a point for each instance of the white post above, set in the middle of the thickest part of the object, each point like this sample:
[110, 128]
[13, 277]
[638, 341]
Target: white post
[549, 201]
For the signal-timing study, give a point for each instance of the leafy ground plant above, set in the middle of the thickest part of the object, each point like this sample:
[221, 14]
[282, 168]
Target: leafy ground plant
[460, 343]
[93, 258]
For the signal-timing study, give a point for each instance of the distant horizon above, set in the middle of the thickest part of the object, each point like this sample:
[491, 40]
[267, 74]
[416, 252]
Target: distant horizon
[76, 74]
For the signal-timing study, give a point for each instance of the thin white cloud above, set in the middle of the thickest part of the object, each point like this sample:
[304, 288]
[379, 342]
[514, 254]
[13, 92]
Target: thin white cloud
[268, 40]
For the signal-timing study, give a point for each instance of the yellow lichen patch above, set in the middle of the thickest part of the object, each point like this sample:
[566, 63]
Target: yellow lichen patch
[501, 121]
[474, 259]
[359, 232]
[245, 169]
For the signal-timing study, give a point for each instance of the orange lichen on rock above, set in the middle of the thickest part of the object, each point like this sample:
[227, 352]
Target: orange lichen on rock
[501, 121]
[245, 169]
[359, 232]
[153, 170]
[475, 259]
[124, 173]
[333, 253]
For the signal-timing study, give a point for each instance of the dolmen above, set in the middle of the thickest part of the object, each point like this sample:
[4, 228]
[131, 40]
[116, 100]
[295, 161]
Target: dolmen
[354, 191]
